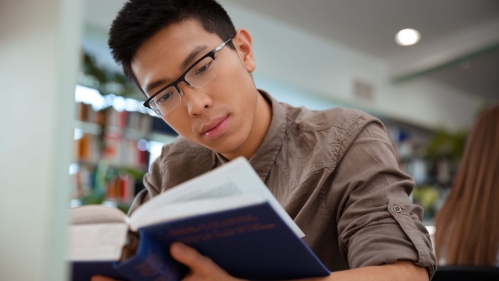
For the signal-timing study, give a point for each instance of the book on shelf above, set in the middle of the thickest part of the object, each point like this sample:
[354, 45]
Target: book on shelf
[121, 189]
[82, 182]
[227, 214]
[124, 152]
[118, 151]
[87, 148]
[119, 186]
[115, 120]
[86, 113]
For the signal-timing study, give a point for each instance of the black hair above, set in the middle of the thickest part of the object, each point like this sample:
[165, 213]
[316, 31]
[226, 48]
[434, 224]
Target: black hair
[139, 20]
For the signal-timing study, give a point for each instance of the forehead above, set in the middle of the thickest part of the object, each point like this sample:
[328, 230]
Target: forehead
[161, 56]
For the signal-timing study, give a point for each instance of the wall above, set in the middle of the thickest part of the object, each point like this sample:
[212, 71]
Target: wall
[39, 56]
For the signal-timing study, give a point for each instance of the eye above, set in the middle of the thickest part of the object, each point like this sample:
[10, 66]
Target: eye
[204, 68]
[163, 97]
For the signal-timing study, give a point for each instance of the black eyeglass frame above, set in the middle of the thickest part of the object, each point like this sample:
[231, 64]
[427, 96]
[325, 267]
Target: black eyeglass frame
[182, 77]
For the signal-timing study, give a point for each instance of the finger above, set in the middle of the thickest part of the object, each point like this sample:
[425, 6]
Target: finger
[101, 278]
[190, 257]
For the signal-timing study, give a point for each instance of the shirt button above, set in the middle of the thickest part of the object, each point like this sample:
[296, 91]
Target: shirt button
[397, 209]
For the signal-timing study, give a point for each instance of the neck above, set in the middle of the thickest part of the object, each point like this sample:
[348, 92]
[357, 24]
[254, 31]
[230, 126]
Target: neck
[261, 124]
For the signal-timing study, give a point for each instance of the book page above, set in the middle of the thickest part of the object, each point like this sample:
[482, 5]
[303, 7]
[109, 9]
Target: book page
[232, 179]
[227, 189]
[97, 242]
[94, 214]
[193, 208]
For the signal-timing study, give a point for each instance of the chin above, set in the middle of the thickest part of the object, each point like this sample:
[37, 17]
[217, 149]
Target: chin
[225, 144]
[223, 148]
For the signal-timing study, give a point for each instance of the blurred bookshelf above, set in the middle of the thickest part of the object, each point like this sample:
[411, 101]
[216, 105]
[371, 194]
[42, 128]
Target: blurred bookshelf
[116, 138]
[115, 141]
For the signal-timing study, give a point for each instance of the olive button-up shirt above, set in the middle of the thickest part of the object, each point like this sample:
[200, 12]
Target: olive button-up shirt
[335, 173]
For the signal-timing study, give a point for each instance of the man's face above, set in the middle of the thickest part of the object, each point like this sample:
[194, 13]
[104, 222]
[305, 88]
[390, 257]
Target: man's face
[218, 115]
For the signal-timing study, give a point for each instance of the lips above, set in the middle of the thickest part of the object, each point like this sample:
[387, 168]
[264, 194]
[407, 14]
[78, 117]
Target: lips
[215, 127]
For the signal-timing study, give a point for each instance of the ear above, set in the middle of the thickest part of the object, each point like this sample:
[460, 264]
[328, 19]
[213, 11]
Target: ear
[242, 41]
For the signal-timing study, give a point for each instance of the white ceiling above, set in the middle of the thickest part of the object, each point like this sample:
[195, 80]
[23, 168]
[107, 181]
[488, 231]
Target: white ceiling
[449, 29]
[370, 26]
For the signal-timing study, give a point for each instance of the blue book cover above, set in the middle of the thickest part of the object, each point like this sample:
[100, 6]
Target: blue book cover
[250, 242]
[258, 241]
[84, 270]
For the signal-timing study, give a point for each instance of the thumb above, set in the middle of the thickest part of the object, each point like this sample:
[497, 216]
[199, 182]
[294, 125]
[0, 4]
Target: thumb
[189, 257]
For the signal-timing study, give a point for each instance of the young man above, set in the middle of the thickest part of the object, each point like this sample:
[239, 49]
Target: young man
[334, 171]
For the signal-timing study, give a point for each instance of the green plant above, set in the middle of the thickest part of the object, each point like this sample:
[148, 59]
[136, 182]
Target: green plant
[446, 143]
[106, 81]
[426, 196]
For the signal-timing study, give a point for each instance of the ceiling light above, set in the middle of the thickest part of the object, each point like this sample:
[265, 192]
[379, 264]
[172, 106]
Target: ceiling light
[407, 37]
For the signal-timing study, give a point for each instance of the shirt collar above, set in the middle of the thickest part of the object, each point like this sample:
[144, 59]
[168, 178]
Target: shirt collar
[266, 155]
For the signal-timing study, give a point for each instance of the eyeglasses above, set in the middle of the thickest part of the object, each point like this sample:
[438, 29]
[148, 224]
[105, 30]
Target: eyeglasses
[197, 75]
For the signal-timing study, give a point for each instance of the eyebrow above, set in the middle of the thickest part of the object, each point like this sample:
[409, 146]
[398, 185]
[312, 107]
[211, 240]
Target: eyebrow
[185, 63]
[190, 58]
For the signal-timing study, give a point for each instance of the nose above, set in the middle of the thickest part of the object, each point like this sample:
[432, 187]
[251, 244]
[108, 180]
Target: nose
[196, 100]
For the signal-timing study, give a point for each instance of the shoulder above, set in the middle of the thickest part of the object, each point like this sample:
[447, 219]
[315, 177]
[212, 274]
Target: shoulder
[343, 124]
[183, 160]
[321, 137]
[303, 119]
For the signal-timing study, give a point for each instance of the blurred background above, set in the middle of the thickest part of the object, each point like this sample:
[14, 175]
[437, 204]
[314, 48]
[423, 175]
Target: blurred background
[57, 76]
[319, 54]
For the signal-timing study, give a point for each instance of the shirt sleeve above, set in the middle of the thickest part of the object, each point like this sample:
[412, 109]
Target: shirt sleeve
[377, 223]
[152, 183]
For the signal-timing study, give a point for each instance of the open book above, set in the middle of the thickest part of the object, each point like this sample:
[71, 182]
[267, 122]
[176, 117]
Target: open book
[227, 214]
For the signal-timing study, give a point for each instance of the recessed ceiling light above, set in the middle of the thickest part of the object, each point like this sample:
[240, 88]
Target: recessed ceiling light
[407, 37]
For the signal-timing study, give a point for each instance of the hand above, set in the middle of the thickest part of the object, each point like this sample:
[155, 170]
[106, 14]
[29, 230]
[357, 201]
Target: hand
[202, 268]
